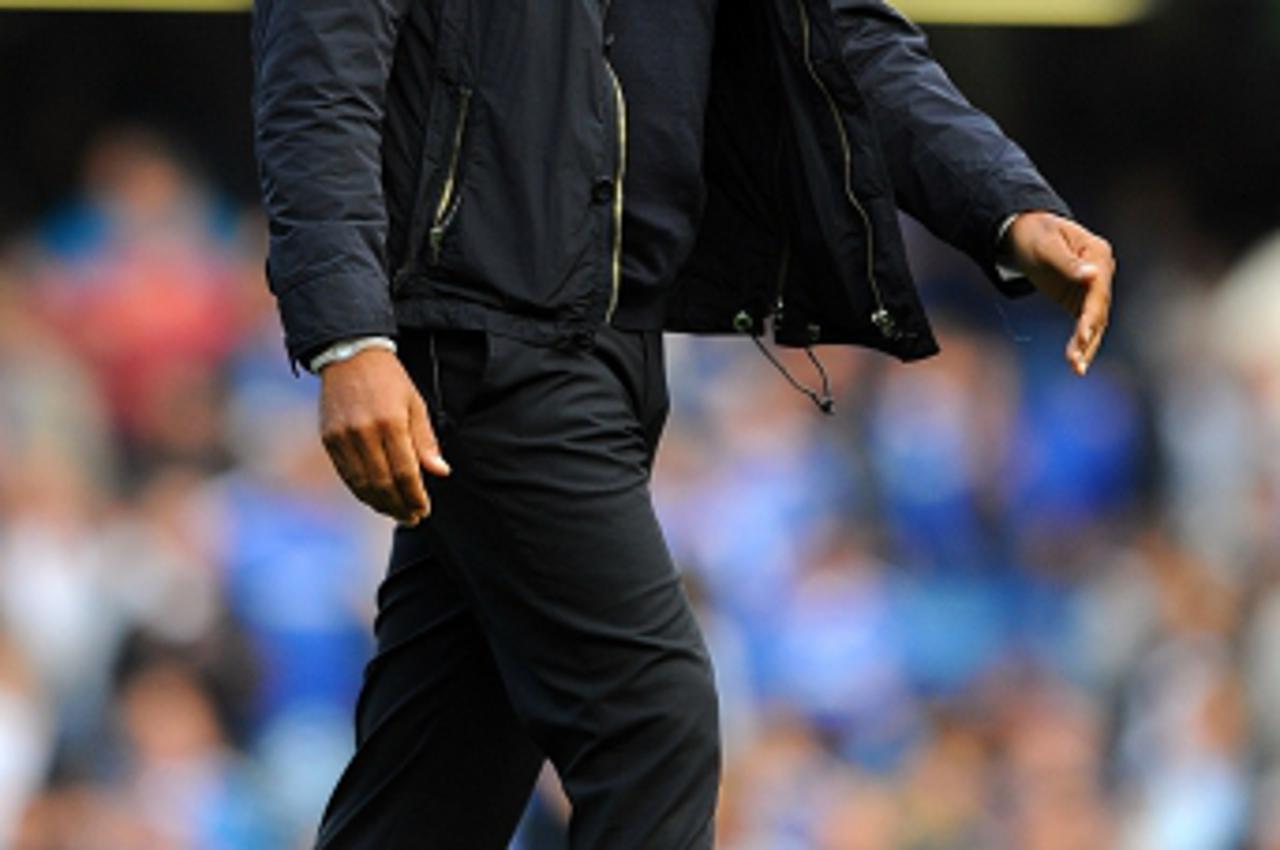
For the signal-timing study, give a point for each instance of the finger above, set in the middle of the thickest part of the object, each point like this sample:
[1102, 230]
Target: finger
[405, 472]
[1066, 292]
[346, 460]
[380, 490]
[1092, 351]
[349, 463]
[1082, 359]
[424, 440]
[1081, 349]
[1094, 317]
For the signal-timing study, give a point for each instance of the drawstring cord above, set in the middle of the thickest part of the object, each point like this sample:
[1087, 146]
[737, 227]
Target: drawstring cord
[823, 399]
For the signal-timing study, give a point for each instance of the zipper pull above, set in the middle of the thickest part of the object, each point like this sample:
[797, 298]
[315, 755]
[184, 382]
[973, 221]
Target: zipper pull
[435, 237]
[884, 322]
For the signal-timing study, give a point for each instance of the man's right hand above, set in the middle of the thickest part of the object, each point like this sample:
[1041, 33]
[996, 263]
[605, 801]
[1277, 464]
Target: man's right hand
[374, 425]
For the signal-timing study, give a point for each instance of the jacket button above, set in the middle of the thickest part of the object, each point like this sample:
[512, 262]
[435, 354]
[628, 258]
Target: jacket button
[602, 191]
[743, 323]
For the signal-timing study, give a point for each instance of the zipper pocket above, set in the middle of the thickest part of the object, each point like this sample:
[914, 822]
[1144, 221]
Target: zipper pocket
[880, 317]
[450, 196]
[620, 174]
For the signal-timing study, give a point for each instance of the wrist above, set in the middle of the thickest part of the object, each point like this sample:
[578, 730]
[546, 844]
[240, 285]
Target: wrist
[1017, 233]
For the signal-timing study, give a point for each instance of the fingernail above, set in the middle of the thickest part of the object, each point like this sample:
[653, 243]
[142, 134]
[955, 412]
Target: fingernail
[1086, 270]
[444, 464]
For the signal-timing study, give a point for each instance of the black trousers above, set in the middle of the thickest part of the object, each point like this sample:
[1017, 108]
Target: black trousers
[536, 614]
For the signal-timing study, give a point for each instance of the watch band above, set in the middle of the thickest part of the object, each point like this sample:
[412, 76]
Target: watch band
[1005, 267]
[348, 348]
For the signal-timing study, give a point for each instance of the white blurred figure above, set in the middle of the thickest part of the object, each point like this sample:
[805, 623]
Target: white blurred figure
[25, 738]
[1245, 330]
[55, 590]
[55, 461]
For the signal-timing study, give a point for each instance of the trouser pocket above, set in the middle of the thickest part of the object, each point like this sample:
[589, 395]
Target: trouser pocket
[449, 368]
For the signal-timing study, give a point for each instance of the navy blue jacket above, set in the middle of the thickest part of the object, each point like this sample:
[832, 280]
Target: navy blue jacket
[459, 163]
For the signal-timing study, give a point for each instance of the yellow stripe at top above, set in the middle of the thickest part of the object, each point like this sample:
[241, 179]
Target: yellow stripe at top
[979, 12]
[1071, 13]
[129, 5]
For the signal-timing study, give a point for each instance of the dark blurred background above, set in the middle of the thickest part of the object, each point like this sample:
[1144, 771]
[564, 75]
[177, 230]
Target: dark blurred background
[987, 606]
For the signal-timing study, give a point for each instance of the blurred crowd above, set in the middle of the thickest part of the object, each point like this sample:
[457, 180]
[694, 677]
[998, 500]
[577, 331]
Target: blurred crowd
[987, 606]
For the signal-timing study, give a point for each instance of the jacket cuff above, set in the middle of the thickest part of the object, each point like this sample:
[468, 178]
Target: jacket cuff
[987, 226]
[326, 310]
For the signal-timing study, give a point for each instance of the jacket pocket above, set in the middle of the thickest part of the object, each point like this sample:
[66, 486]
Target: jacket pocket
[437, 195]
[448, 198]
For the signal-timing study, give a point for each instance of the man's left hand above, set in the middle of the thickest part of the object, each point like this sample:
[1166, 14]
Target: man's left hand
[1073, 267]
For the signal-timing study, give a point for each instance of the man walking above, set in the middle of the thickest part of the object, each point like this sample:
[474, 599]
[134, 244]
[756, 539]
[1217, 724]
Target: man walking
[484, 213]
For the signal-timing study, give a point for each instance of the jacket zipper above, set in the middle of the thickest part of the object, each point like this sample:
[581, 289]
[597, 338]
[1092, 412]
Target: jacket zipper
[450, 197]
[620, 174]
[881, 318]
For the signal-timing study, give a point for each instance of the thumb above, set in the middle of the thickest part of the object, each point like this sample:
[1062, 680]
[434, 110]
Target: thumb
[424, 439]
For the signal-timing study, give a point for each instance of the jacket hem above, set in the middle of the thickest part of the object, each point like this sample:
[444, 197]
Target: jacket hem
[443, 313]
